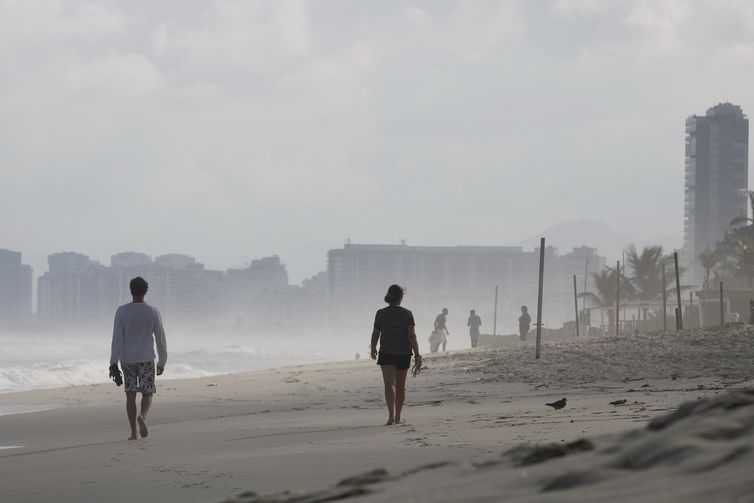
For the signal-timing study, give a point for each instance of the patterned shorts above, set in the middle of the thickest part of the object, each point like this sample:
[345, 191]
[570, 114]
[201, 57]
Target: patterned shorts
[139, 377]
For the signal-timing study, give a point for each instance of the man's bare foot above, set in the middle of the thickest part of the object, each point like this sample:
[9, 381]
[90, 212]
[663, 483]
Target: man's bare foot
[143, 430]
[398, 420]
[390, 421]
[133, 436]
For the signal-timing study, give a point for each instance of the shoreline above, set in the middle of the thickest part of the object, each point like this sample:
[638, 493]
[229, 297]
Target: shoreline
[11, 409]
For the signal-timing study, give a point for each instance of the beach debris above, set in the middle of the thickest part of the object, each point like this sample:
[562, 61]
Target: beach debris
[646, 385]
[559, 404]
[619, 402]
[526, 455]
[727, 402]
[320, 496]
[376, 475]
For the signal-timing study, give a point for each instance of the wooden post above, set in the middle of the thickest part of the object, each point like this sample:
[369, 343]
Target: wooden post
[677, 319]
[494, 320]
[539, 296]
[664, 300]
[722, 306]
[586, 274]
[678, 291]
[617, 299]
[576, 304]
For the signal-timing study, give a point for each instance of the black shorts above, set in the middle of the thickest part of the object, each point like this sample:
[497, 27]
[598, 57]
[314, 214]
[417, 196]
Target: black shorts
[402, 362]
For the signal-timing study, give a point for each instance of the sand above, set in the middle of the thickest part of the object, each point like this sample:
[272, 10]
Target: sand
[303, 429]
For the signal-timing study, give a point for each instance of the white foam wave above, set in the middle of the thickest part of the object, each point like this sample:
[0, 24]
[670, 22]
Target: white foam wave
[52, 362]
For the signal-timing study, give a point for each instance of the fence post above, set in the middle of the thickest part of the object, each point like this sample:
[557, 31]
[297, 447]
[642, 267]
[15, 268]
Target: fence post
[617, 299]
[722, 307]
[664, 300]
[539, 297]
[494, 320]
[576, 304]
[678, 291]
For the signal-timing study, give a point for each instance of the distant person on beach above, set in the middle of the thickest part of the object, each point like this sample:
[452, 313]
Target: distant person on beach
[524, 322]
[137, 328]
[395, 330]
[474, 323]
[440, 334]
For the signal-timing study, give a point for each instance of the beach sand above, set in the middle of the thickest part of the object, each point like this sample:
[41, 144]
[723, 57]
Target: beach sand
[303, 429]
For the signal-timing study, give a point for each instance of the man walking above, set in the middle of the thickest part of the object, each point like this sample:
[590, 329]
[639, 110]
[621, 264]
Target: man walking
[136, 330]
[474, 323]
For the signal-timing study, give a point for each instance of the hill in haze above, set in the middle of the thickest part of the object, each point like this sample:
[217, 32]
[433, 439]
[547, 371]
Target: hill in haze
[609, 242]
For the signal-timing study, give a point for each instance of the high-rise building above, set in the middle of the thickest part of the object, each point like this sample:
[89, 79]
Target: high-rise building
[15, 288]
[716, 179]
[75, 289]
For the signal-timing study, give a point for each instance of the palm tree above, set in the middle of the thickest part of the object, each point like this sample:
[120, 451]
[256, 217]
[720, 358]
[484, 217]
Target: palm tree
[646, 270]
[735, 253]
[604, 296]
[709, 260]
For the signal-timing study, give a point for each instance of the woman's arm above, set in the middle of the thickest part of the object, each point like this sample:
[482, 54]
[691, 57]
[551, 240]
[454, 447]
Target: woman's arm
[412, 339]
[375, 338]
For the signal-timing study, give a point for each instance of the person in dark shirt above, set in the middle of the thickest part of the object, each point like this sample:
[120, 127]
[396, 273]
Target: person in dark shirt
[474, 323]
[524, 322]
[395, 330]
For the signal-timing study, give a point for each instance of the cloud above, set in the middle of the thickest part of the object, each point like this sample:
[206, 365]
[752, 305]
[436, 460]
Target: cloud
[302, 121]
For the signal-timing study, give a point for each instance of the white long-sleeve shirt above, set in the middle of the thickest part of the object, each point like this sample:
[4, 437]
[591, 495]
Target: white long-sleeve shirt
[136, 330]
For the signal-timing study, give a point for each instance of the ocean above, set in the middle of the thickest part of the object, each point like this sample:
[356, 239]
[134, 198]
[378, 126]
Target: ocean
[65, 359]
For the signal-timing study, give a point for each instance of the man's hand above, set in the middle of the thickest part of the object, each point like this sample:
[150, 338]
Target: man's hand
[160, 370]
[115, 374]
[374, 353]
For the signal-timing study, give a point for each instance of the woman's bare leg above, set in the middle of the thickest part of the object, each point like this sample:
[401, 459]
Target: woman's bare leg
[388, 377]
[400, 393]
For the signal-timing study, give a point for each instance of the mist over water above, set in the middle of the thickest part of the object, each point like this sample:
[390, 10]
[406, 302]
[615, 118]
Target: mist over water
[60, 359]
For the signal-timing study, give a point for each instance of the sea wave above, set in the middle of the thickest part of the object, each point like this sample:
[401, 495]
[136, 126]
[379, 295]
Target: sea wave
[27, 364]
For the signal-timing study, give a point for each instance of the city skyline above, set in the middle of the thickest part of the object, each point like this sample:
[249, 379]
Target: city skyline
[76, 289]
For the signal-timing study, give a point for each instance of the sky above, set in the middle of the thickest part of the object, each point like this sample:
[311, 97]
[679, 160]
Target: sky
[231, 130]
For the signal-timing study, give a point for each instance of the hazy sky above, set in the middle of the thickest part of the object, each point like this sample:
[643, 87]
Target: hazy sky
[236, 129]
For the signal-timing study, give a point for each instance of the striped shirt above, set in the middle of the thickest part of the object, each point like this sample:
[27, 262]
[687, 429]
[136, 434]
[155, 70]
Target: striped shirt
[393, 323]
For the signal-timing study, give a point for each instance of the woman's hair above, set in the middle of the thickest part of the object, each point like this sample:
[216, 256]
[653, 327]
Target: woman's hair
[394, 294]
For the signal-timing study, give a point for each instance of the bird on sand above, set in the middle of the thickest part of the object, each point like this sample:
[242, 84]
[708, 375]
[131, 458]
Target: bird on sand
[557, 405]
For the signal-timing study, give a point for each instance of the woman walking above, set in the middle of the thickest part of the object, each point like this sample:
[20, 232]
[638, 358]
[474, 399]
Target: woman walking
[394, 328]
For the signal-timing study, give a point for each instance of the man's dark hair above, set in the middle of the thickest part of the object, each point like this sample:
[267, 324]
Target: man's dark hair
[138, 286]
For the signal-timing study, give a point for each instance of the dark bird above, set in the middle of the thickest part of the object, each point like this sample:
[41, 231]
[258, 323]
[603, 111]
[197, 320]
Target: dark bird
[618, 402]
[557, 405]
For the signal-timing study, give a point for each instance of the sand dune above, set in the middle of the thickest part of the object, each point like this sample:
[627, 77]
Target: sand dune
[703, 451]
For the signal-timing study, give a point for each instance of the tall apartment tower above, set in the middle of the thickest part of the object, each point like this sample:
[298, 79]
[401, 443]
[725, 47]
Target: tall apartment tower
[15, 288]
[716, 179]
